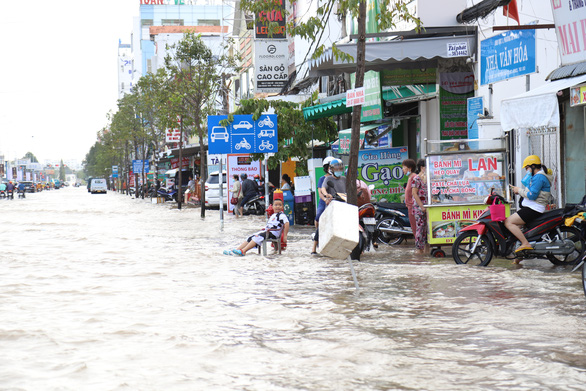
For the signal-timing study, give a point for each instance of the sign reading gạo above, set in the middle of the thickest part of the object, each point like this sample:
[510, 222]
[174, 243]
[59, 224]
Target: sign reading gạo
[271, 66]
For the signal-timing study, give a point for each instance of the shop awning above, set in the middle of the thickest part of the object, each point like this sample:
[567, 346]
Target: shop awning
[406, 53]
[537, 108]
[328, 109]
[402, 94]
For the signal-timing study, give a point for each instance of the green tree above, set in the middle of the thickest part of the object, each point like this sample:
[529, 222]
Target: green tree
[196, 79]
[313, 28]
[61, 171]
[31, 157]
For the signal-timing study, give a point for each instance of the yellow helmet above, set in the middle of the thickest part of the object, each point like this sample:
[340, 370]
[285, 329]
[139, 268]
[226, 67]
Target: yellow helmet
[532, 159]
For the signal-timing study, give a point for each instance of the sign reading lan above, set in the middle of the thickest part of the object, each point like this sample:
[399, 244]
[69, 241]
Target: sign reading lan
[243, 135]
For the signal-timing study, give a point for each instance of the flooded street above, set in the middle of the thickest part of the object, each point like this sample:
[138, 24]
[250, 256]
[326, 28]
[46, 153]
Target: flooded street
[104, 292]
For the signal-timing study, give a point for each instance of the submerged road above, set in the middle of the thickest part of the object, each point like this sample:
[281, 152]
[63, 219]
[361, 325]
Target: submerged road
[105, 292]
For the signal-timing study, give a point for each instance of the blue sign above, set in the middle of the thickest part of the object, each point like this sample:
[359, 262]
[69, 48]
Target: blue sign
[137, 166]
[114, 171]
[475, 108]
[243, 135]
[507, 55]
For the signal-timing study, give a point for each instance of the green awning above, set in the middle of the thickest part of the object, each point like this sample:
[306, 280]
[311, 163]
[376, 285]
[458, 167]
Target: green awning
[402, 94]
[328, 109]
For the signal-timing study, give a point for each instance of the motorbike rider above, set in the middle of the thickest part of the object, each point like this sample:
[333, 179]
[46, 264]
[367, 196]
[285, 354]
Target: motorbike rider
[10, 190]
[249, 189]
[536, 194]
[321, 206]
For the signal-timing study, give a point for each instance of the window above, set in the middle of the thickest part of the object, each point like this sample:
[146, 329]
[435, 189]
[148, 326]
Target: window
[172, 22]
[208, 22]
[145, 24]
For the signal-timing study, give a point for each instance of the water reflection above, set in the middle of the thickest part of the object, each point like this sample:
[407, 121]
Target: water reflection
[106, 292]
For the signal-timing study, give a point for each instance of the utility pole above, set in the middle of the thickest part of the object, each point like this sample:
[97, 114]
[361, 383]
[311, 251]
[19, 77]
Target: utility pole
[352, 197]
[179, 186]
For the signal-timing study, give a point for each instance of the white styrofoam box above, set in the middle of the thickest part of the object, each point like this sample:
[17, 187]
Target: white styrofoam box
[338, 230]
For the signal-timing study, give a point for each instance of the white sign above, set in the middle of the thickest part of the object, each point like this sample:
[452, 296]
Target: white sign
[570, 27]
[172, 135]
[240, 164]
[457, 49]
[271, 65]
[355, 97]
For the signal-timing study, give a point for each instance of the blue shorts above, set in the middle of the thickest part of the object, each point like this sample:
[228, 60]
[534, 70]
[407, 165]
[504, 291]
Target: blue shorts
[247, 198]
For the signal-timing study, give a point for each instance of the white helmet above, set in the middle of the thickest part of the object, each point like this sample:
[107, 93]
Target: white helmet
[327, 160]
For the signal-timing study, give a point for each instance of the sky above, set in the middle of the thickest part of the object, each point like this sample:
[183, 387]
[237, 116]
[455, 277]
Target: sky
[58, 73]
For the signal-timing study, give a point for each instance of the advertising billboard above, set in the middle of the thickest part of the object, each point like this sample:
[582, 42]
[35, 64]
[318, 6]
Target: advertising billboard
[382, 168]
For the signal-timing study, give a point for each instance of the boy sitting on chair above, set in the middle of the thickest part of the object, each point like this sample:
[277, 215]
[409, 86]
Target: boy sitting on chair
[278, 223]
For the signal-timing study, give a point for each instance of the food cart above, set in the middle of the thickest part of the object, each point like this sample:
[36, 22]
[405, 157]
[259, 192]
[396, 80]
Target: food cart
[460, 175]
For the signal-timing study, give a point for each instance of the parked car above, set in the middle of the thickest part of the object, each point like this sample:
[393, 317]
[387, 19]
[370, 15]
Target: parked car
[213, 189]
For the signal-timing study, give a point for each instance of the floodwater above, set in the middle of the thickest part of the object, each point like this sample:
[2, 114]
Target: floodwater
[105, 292]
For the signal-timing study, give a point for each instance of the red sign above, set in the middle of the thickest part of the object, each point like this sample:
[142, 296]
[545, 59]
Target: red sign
[175, 162]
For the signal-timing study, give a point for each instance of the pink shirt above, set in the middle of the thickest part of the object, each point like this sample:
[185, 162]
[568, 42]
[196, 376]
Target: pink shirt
[409, 191]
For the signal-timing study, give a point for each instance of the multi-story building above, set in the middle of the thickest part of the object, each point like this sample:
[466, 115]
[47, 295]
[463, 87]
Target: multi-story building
[125, 69]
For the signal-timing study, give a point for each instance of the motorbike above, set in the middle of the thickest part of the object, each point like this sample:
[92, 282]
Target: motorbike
[550, 238]
[170, 195]
[255, 206]
[367, 221]
[3, 194]
[392, 223]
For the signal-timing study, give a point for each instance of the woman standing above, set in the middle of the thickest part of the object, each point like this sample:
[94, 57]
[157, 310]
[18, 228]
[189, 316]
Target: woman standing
[419, 193]
[409, 171]
[237, 193]
[286, 183]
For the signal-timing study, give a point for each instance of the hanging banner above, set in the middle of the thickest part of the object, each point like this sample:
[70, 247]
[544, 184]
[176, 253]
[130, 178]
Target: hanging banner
[382, 168]
[175, 162]
[455, 89]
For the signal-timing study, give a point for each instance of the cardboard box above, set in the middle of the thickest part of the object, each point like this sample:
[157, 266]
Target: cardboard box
[338, 230]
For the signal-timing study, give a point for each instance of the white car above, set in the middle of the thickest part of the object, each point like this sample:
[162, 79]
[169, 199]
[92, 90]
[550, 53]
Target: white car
[213, 190]
[243, 125]
[98, 186]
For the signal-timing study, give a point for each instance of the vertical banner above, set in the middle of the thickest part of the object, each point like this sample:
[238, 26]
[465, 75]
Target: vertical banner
[570, 26]
[240, 164]
[455, 89]
[382, 168]
[475, 109]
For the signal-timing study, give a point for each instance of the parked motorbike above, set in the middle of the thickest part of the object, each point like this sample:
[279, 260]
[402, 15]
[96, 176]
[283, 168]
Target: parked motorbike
[367, 221]
[170, 195]
[255, 206]
[549, 237]
[392, 223]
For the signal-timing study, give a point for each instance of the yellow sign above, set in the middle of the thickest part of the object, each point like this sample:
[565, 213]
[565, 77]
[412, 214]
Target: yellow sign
[577, 95]
[444, 222]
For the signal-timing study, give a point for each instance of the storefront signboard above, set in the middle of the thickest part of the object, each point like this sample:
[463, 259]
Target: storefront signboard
[355, 97]
[444, 222]
[507, 55]
[465, 178]
[455, 89]
[214, 163]
[175, 162]
[264, 20]
[271, 66]
[570, 27]
[405, 77]
[239, 164]
[578, 95]
[140, 166]
[382, 168]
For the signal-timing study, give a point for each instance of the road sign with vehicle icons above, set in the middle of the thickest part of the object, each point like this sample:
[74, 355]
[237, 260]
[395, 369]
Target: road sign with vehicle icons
[243, 135]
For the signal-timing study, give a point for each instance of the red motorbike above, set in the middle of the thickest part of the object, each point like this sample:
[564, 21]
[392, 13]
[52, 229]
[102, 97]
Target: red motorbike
[549, 237]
